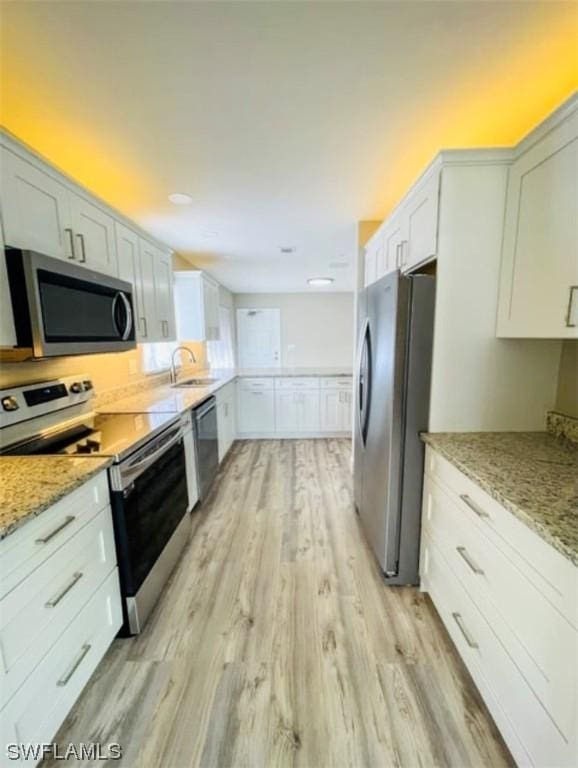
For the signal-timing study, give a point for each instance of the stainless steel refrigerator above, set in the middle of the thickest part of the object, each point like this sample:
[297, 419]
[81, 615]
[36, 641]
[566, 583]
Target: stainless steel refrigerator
[396, 316]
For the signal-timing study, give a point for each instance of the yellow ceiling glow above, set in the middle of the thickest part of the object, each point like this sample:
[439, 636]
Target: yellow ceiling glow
[493, 103]
[498, 104]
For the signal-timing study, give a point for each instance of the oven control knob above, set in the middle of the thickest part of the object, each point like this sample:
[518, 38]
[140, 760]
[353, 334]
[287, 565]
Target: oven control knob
[10, 403]
[87, 384]
[76, 387]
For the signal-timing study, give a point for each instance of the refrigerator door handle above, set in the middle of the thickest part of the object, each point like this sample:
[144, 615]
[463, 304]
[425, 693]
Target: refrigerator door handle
[364, 383]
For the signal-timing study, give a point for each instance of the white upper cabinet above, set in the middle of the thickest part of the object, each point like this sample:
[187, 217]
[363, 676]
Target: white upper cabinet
[420, 216]
[148, 254]
[94, 238]
[539, 274]
[35, 208]
[409, 236]
[164, 300]
[43, 210]
[196, 306]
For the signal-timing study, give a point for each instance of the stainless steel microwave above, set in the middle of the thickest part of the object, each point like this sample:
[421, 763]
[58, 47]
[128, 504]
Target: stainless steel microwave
[63, 309]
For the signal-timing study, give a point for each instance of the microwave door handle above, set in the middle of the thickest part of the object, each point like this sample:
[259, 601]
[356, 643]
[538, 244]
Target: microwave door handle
[128, 310]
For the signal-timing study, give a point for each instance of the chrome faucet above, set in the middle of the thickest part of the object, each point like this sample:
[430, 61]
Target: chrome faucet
[173, 366]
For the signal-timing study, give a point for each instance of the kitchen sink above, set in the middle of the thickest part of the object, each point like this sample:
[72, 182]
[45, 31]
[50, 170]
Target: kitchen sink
[196, 382]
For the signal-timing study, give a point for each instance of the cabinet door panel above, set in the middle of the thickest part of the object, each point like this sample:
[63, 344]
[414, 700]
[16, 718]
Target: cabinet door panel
[540, 259]
[256, 411]
[308, 411]
[422, 219]
[393, 243]
[35, 208]
[286, 411]
[164, 296]
[94, 236]
[148, 255]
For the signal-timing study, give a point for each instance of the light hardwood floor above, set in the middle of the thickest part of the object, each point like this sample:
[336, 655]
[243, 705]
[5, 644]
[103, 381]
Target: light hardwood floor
[276, 642]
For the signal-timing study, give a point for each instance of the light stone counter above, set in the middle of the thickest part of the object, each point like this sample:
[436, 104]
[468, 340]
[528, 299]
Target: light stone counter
[532, 474]
[31, 484]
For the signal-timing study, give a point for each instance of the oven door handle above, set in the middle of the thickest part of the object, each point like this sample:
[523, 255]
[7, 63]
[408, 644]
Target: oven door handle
[130, 472]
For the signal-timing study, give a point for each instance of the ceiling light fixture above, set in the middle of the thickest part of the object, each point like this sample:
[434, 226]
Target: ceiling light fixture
[179, 198]
[287, 249]
[318, 281]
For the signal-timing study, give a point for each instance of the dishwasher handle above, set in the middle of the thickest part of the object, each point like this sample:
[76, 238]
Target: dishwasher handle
[204, 409]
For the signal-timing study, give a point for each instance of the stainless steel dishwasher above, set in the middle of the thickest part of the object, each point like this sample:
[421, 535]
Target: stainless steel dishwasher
[207, 444]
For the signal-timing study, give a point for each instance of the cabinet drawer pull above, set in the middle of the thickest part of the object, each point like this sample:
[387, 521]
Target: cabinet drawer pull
[70, 242]
[464, 554]
[80, 237]
[143, 325]
[65, 590]
[569, 323]
[472, 505]
[78, 661]
[53, 533]
[457, 617]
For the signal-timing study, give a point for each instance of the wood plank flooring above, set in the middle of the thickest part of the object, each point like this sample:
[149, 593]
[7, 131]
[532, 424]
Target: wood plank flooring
[276, 642]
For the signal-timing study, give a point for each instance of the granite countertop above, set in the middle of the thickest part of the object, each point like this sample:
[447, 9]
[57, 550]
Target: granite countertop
[532, 474]
[169, 399]
[31, 484]
[243, 372]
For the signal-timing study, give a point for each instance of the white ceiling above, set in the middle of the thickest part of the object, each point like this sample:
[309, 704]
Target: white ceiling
[286, 122]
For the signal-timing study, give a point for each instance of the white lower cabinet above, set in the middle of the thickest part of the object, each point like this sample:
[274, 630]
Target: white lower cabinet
[294, 406]
[226, 418]
[297, 412]
[60, 609]
[335, 410]
[256, 408]
[508, 600]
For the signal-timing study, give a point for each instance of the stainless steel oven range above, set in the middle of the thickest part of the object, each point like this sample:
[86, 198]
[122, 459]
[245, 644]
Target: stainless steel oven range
[147, 478]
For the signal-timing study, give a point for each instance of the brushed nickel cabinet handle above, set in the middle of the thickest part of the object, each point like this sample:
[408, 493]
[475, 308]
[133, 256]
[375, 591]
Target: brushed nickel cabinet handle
[78, 661]
[573, 288]
[55, 531]
[461, 626]
[143, 325]
[472, 505]
[53, 602]
[80, 237]
[70, 234]
[463, 552]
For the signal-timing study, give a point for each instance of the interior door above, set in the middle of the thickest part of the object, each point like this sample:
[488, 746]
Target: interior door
[259, 338]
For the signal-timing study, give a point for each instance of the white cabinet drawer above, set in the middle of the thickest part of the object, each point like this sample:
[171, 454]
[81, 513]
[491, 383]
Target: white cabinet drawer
[297, 382]
[34, 614]
[252, 383]
[40, 705]
[24, 550]
[532, 631]
[550, 572]
[336, 382]
[529, 731]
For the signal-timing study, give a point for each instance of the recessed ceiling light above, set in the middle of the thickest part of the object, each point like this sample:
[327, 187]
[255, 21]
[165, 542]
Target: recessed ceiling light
[179, 198]
[287, 249]
[320, 281]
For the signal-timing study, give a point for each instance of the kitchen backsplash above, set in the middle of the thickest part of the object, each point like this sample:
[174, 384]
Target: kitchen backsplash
[113, 375]
[564, 427]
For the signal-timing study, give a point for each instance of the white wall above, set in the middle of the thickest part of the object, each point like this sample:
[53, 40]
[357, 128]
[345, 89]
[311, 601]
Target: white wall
[316, 328]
